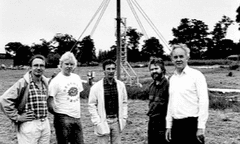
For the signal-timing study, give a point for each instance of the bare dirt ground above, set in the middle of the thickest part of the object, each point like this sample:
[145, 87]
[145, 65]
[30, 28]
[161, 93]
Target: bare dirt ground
[223, 127]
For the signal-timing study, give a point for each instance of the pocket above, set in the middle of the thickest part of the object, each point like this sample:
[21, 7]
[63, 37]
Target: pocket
[28, 127]
[124, 122]
[102, 128]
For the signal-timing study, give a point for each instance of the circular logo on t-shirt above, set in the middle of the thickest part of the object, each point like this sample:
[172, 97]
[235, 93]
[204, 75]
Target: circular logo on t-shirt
[73, 91]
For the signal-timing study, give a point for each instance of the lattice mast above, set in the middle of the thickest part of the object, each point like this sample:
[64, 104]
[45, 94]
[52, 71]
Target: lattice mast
[128, 75]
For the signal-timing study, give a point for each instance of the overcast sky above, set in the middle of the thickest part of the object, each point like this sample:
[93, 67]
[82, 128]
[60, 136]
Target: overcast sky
[28, 21]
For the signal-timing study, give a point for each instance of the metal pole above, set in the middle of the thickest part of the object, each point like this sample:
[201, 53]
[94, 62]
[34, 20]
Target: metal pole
[118, 39]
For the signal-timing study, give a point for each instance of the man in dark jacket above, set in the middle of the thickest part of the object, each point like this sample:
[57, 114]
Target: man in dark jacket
[158, 101]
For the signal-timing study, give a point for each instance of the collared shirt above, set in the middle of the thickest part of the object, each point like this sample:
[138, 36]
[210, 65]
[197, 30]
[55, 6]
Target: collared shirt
[111, 97]
[188, 97]
[37, 100]
[158, 98]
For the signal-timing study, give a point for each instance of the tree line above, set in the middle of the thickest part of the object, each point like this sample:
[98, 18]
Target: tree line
[204, 44]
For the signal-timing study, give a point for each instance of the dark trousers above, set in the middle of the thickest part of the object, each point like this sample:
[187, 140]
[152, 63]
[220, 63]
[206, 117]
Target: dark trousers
[68, 129]
[156, 130]
[184, 131]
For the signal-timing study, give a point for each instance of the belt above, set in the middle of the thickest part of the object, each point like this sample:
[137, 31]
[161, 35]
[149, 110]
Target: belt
[186, 119]
[42, 119]
[112, 116]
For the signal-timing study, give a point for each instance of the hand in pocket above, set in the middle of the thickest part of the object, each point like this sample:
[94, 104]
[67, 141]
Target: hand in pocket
[102, 128]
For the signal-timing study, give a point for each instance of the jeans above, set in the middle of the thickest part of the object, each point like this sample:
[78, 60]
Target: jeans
[68, 129]
[115, 134]
[156, 130]
[34, 132]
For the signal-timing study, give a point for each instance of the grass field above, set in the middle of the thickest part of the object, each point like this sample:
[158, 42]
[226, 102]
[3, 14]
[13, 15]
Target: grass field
[223, 127]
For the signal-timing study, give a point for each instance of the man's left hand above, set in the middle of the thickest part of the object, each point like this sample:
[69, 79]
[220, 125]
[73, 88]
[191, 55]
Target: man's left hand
[200, 135]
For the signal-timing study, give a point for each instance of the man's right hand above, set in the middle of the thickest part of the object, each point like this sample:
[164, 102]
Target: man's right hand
[27, 116]
[168, 135]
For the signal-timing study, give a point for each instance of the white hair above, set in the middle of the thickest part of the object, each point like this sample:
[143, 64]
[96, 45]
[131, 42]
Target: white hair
[182, 46]
[68, 56]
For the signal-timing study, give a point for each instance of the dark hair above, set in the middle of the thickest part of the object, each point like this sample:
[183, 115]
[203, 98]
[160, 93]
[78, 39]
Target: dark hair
[35, 57]
[108, 62]
[159, 62]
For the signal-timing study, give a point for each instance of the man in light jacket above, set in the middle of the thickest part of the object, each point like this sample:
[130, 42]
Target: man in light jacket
[108, 106]
[25, 103]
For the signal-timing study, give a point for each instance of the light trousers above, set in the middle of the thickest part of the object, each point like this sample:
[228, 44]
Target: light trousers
[115, 133]
[34, 132]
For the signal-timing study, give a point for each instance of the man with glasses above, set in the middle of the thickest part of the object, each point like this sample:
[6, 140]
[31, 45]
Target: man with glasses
[25, 103]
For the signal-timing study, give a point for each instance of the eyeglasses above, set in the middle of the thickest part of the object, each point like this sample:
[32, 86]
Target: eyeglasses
[39, 65]
[108, 69]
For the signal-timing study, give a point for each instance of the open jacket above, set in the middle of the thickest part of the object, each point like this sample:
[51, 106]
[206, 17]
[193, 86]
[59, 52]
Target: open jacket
[13, 101]
[96, 107]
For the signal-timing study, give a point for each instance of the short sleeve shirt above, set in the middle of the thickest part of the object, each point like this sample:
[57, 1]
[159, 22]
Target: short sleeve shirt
[66, 93]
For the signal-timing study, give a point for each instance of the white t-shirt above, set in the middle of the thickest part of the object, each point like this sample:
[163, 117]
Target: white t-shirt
[66, 94]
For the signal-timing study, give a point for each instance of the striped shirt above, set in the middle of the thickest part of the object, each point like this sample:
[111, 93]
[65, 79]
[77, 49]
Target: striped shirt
[37, 100]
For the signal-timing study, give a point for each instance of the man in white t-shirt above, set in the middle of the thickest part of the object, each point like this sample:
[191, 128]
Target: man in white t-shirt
[64, 102]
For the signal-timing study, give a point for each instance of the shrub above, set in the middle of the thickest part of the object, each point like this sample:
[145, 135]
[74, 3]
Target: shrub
[209, 62]
[86, 88]
[134, 92]
[52, 60]
[234, 66]
[236, 107]
[218, 102]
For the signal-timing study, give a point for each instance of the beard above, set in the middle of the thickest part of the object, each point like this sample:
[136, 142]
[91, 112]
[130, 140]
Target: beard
[157, 76]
